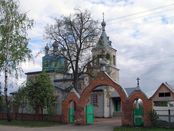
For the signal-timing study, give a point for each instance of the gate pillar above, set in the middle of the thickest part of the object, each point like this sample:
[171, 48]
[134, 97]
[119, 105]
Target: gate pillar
[80, 118]
[126, 114]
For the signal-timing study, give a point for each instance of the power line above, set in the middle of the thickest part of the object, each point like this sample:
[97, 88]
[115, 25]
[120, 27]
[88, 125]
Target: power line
[135, 18]
[142, 12]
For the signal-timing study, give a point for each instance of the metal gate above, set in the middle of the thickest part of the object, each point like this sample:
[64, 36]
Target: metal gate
[71, 115]
[89, 114]
[138, 116]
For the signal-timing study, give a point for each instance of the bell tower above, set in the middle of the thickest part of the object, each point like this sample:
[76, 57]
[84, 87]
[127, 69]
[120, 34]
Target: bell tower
[104, 55]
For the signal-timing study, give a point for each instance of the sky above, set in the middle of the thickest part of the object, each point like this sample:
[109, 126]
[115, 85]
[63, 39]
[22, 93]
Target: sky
[142, 32]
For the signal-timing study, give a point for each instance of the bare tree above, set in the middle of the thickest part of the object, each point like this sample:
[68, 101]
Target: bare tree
[74, 36]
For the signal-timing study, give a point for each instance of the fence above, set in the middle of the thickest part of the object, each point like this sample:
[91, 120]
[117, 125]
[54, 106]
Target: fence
[38, 117]
[165, 114]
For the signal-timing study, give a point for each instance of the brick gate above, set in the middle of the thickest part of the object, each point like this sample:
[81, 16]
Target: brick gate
[102, 79]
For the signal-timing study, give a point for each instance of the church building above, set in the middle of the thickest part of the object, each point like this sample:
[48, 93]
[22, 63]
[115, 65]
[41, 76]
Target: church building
[106, 101]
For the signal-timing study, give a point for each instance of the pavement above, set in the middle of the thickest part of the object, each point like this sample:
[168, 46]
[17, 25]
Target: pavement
[99, 125]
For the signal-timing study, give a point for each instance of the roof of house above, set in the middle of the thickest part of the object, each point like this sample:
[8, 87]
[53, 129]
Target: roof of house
[170, 87]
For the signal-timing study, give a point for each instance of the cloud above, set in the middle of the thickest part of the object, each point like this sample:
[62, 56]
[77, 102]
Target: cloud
[141, 31]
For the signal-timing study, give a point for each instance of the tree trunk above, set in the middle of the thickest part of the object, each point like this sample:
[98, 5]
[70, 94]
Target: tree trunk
[6, 96]
[42, 113]
[75, 81]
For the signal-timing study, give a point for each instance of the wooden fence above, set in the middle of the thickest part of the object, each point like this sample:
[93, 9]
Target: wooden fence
[38, 117]
[166, 115]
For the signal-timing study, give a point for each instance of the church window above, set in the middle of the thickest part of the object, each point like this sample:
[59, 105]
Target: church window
[108, 56]
[94, 99]
[114, 61]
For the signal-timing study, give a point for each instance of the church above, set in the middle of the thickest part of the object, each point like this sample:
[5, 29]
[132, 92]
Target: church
[106, 101]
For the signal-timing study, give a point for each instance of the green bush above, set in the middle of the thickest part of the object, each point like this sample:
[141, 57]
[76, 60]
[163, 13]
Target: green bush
[154, 117]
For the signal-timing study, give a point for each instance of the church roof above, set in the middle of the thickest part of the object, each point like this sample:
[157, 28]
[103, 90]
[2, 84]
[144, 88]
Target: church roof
[104, 39]
[130, 90]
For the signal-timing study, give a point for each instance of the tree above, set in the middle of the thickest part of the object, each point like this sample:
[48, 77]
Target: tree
[1, 102]
[75, 36]
[40, 92]
[13, 41]
[20, 98]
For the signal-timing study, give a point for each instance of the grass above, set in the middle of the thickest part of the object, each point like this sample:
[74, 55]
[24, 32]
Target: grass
[141, 129]
[28, 123]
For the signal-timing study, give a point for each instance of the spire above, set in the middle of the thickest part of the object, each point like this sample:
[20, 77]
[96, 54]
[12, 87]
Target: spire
[46, 49]
[104, 39]
[103, 24]
[55, 46]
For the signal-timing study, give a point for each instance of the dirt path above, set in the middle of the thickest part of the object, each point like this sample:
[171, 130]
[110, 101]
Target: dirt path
[59, 128]
[100, 124]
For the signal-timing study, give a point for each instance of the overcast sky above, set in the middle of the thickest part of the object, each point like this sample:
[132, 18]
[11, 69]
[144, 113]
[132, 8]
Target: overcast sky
[142, 31]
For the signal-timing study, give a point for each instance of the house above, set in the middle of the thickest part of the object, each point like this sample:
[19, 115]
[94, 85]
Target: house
[163, 96]
[163, 101]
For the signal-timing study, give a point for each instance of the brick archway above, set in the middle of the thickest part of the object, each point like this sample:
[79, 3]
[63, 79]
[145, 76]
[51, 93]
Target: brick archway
[65, 105]
[101, 79]
[147, 104]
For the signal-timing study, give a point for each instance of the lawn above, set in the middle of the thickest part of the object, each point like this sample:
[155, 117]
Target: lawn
[141, 129]
[29, 123]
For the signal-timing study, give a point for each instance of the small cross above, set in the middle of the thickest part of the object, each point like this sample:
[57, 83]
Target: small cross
[138, 82]
[103, 16]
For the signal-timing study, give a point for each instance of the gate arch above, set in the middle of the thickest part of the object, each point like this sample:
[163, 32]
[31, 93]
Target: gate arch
[127, 102]
[147, 104]
[66, 103]
[101, 79]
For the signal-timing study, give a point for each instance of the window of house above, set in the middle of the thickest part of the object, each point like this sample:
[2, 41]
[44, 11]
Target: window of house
[160, 103]
[164, 94]
[94, 99]
[114, 61]
[161, 94]
[167, 94]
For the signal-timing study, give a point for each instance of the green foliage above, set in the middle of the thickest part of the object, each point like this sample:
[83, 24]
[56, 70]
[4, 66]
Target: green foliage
[153, 117]
[20, 97]
[140, 129]
[29, 123]
[13, 41]
[13, 35]
[1, 101]
[40, 92]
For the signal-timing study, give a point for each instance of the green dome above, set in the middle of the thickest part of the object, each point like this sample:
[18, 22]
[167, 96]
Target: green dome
[53, 63]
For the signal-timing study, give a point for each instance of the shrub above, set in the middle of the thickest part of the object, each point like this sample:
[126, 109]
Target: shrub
[154, 117]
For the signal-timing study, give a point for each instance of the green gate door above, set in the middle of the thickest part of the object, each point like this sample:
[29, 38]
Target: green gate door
[71, 115]
[138, 116]
[89, 114]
